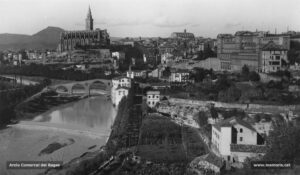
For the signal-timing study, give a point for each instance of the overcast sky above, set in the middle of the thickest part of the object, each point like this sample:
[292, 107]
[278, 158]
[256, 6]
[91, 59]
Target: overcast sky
[151, 17]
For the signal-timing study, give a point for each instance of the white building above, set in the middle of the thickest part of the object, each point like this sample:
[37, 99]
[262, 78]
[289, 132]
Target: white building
[153, 97]
[234, 140]
[136, 73]
[121, 81]
[120, 88]
[118, 55]
[179, 75]
[272, 58]
[120, 92]
[166, 58]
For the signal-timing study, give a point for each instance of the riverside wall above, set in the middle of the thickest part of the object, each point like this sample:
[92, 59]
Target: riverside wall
[248, 107]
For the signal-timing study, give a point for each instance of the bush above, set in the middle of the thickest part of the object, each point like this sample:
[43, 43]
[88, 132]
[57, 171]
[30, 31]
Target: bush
[253, 76]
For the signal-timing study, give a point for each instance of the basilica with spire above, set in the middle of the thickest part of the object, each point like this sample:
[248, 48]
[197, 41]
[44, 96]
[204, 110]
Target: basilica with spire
[71, 40]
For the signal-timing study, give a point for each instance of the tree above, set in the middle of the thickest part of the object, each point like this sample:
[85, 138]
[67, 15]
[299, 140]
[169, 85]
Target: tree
[245, 72]
[222, 83]
[283, 142]
[253, 76]
[201, 73]
[202, 119]
[232, 94]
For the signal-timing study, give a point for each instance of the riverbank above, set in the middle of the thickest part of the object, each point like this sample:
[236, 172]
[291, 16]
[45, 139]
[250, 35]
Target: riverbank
[91, 162]
[9, 99]
[62, 133]
[42, 102]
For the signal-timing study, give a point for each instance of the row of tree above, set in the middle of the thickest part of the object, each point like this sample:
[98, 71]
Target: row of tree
[54, 72]
[10, 98]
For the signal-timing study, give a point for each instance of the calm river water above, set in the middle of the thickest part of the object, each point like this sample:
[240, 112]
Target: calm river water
[86, 123]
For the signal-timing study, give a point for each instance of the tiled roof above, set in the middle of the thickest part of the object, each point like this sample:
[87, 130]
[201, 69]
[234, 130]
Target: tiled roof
[243, 33]
[153, 92]
[231, 122]
[272, 46]
[248, 148]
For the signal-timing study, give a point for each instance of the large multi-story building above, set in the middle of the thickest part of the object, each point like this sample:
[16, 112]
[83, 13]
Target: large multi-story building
[69, 40]
[244, 48]
[273, 58]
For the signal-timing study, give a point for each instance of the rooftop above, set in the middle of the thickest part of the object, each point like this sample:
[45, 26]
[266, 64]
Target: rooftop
[153, 92]
[248, 148]
[231, 122]
[244, 33]
[271, 46]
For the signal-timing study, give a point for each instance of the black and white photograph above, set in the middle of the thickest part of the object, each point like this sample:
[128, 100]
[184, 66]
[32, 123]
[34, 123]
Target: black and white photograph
[149, 87]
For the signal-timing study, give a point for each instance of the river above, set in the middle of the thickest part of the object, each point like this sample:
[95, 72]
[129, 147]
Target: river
[81, 125]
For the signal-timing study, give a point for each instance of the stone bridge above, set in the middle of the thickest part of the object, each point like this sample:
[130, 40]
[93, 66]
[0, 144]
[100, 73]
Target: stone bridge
[88, 87]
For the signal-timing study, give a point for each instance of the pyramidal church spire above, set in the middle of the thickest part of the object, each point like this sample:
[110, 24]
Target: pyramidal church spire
[89, 20]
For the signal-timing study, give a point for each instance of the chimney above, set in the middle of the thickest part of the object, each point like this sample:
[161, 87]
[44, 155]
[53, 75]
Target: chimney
[184, 30]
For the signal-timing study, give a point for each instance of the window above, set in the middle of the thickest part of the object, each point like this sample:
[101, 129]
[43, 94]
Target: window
[241, 139]
[149, 102]
[241, 130]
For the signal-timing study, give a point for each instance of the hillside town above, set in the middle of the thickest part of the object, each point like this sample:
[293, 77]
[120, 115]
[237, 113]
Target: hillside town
[185, 104]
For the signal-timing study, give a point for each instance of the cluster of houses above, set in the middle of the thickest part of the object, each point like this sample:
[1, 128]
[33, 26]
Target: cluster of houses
[26, 56]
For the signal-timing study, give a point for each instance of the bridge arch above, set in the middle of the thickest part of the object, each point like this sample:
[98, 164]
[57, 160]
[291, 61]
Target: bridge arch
[61, 89]
[97, 87]
[78, 89]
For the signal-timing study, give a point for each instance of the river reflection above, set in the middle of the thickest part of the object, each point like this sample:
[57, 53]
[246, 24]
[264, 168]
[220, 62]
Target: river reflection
[87, 122]
[88, 114]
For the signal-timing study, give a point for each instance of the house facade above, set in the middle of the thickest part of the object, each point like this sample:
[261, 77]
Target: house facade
[273, 58]
[153, 97]
[120, 88]
[179, 75]
[234, 140]
[120, 92]
[244, 48]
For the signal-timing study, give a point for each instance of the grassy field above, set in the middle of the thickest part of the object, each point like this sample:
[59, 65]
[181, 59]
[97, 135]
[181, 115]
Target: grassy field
[162, 140]
[194, 145]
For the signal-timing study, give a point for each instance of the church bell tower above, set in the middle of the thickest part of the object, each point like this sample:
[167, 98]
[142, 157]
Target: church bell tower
[89, 20]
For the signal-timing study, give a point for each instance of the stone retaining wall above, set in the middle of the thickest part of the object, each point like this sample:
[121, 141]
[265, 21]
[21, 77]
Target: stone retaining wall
[247, 107]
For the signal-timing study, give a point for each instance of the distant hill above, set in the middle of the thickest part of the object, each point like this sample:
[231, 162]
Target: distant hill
[47, 38]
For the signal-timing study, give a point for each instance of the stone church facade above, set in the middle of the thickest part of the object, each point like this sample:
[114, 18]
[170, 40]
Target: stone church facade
[89, 37]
